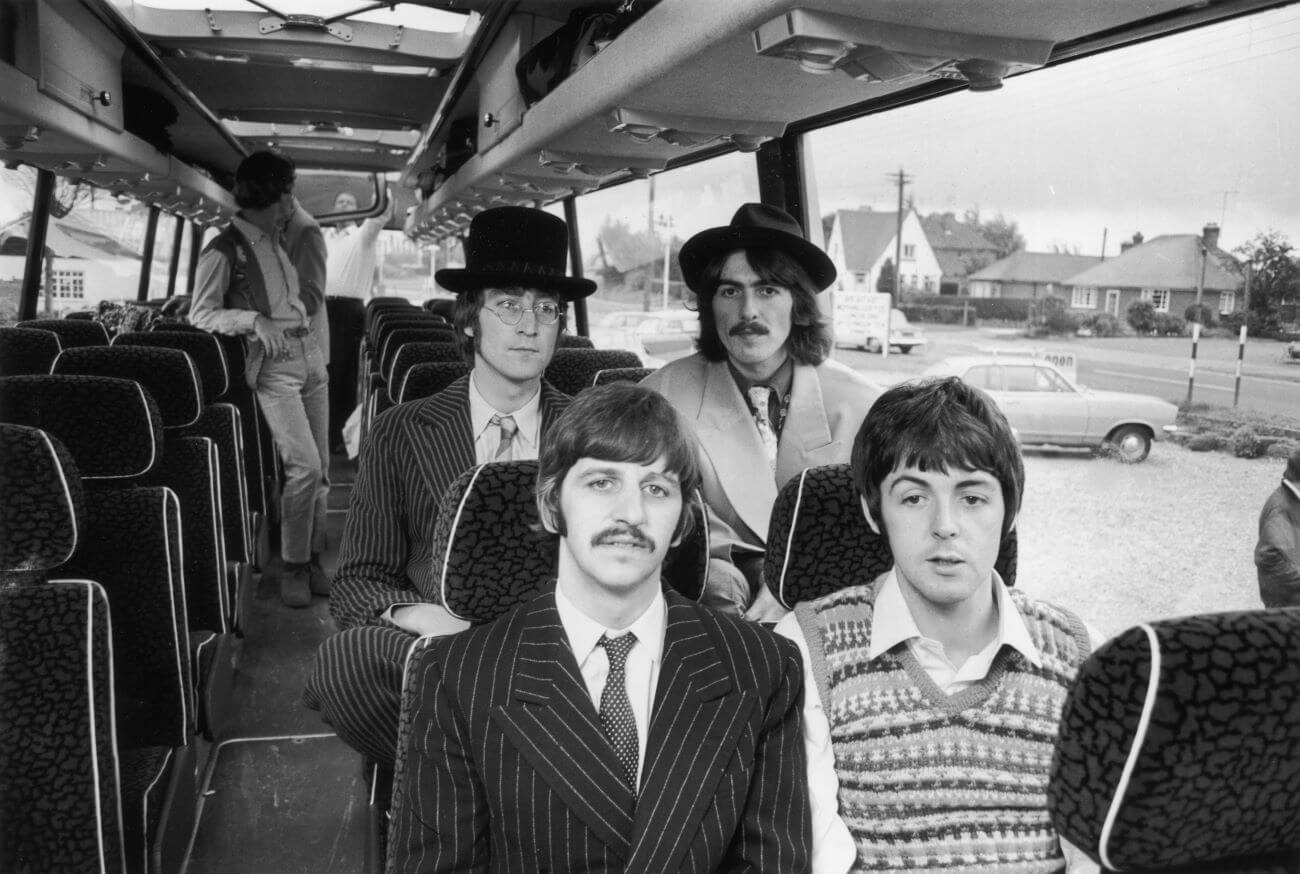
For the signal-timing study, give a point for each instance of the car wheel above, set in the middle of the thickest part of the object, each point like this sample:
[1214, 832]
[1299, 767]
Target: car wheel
[871, 344]
[904, 349]
[1129, 443]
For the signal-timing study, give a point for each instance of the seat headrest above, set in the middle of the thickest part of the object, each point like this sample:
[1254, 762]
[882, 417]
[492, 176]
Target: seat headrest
[110, 426]
[490, 552]
[572, 370]
[1179, 746]
[204, 350]
[168, 375]
[27, 351]
[574, 341]
[72, 332]
[621, 374]
[425, 380]
[412, 354]
[41, 500]
[818, 541]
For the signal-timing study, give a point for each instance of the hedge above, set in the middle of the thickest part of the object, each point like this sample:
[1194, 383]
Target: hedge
[947, 309]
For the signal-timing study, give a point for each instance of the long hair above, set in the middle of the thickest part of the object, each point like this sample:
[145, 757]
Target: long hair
[262, 178]
[937, 424]
[620, 422]
[810, 337]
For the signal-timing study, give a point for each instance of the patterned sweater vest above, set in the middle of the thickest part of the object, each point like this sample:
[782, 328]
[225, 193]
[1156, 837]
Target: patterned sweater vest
[931, 782]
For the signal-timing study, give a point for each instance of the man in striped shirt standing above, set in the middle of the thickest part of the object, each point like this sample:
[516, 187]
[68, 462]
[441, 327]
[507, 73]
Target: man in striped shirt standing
[509, 313]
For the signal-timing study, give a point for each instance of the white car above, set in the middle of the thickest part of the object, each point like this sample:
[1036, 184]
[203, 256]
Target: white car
[1045, 406]
[657, 336]
[903, 336]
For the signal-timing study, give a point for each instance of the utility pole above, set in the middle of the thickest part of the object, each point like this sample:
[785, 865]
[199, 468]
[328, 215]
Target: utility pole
[1241, 339]
[666, 222]
[1196, 327]
[1104, 231]
[902, 179]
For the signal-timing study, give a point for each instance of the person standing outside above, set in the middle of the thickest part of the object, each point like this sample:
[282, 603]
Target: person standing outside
[761, 392]
[353, 260]
[246, 285]
[1277, 554]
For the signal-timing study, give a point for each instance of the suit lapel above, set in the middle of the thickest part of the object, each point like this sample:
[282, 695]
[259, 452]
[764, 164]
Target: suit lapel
[736, 450]
[550, 720]
[698, 718]
[446, 417]
[806, 438]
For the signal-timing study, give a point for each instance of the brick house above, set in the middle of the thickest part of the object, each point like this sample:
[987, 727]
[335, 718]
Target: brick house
[1029, 275]
[960, 249]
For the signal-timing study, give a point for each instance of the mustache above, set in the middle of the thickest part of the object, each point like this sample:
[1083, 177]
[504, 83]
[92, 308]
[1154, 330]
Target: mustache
[758, 329]
[624, 532]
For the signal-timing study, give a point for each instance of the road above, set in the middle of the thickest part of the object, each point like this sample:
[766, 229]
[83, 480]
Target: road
[1149, 366]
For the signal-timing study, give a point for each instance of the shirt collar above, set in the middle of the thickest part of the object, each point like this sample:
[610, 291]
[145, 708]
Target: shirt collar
[584, 632]
[892, 622]
[252, 232]
[780, 382]
[526, 417]
[1295, 489]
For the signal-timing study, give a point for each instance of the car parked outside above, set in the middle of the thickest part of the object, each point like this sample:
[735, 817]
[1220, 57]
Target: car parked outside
[903, 335]
[1046, 407]
[657, 336]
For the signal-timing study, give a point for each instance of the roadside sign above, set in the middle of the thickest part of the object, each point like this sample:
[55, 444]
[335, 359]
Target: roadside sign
[860, 315]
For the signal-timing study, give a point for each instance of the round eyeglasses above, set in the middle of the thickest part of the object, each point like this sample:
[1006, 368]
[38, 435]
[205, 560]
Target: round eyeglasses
[510, 312]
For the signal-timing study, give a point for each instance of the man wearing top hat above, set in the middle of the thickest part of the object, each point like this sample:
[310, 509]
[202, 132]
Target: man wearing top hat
[509, 312]
[765, 400]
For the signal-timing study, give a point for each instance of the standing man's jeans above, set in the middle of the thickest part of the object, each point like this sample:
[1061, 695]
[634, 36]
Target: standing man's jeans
[294, 396]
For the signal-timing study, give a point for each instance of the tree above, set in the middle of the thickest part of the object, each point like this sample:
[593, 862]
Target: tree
[885, 284]
[1275, 281]
[1003, 233]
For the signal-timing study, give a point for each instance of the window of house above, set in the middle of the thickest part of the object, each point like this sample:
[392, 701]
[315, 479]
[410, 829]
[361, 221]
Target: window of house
[1084, 298]
[1227, 303]
[69, 285]
[1158, 298]
[860, 277]
[909, 250]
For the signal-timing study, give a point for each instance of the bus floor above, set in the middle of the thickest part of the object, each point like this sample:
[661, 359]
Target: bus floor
[279, 792]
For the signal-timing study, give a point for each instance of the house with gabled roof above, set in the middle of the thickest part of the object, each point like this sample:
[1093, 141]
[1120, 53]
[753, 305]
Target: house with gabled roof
[1029, 275]
[88, 263]
[960, 249]
[1164, 271]
[862, 242]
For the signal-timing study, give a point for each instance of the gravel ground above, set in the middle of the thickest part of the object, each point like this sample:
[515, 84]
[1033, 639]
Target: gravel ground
[1122, 544]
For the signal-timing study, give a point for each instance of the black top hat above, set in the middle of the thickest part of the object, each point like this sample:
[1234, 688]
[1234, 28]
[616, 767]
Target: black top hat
[755, 225]
[515, 246]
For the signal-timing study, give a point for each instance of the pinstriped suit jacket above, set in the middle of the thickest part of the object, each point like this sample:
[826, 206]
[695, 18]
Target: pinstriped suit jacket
[502, 765]
[412, 455]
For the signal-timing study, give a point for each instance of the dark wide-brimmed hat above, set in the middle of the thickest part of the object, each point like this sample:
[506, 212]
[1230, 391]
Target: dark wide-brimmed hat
[515, 246]
[756, 226]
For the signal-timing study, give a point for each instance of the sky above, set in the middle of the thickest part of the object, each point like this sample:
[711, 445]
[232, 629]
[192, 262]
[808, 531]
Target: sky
[1159, 138]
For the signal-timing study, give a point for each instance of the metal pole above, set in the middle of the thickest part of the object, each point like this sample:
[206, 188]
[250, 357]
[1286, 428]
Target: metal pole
[1191, 366]
[34, 265]
[146, 257]
[173, 265]
[196, 248]
[898, 255]
[575, 259]
[1241, 339]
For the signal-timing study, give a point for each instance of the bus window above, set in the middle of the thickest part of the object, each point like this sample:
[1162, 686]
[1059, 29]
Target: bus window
[16, 189]
[626, 231]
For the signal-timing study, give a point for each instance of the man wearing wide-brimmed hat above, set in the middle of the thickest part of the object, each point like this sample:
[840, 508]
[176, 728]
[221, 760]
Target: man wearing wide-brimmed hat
[509, 312]
[765, 400]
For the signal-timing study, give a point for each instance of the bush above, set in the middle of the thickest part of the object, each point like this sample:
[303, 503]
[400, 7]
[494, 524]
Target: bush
[1199, 312]
[1246, 443]
[1141, 316]
[1205, 443]
[1168, 325]
[1282, 449]
[1232, 322]
[1102, 325]
[1005, 309]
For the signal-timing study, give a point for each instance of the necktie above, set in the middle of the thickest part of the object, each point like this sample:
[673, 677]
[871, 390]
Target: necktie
[615, 708]
[505, 449]
[758, 396]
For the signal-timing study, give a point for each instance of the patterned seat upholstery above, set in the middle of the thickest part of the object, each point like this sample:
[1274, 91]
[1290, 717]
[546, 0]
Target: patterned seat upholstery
[390, 320]
[169, 375]
[72, 332]
[425, 380]
[203, 348]
[27, 351]
[621, 374]
[572, 370]
[394, 339]
[491, 552]
[574, 341]
[1178, 748]
[412, 354]
[818, 541]
[42, 505]
[440, 306]
[377, 305]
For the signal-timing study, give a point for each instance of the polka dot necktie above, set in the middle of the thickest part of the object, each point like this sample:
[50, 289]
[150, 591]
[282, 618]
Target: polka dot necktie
[508, 428]
[615, 708]
[758, 396]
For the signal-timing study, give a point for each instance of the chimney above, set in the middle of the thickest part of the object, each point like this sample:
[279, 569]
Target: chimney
[1210, 236]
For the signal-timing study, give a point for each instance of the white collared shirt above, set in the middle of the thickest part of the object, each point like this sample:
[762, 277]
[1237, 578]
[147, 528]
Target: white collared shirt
[641, 670]
[487, 437]
[833, 849]
[1295, 489]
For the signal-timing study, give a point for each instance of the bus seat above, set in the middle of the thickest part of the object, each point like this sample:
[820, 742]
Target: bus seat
[818, 540]
[426, 380]
[415, 353]
[574, 341]
[347, 327]
[440, 306]
[377, 305]
[203, 348]
[393, 319]
[494, 503]
[621, 374]
[72, 332]
[1179, 747]
[394, 335]
[572, 370]
[27, 351]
